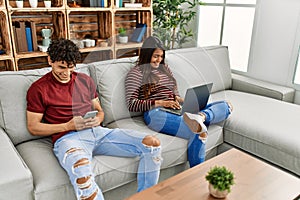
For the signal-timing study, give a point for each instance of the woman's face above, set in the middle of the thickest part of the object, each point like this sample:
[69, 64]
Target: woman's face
[156, 58]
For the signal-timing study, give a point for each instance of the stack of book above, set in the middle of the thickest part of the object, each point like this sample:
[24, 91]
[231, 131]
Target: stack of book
[25, 30]
[138, 33]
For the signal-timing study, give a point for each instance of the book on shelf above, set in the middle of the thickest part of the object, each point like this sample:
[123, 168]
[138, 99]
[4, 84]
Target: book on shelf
[28, 39]
[16, 38]
[33, 36]
[133, 5]
[138, 32]
[21, 35]
[119, 3]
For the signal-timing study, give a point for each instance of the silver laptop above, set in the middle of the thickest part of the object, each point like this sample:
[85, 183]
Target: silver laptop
[195, 99]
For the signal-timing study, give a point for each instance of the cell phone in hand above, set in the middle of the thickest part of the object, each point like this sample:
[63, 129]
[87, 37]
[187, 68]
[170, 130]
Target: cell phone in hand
[90, 114]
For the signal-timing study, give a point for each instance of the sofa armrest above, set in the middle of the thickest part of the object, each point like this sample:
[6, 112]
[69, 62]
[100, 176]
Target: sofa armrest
[255, 86]
[15, 178]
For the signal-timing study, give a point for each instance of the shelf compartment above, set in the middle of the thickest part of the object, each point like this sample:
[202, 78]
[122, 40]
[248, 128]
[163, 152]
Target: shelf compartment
[129, 20]
[93, 56]
[5, 37]
[96, 25]
[128, 52]
[36, 21]
[26, 6]
[32, 63]
[89, 4]
[7, 65]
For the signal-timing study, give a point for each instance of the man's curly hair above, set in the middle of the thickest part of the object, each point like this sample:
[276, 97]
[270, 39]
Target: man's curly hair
[64, 50]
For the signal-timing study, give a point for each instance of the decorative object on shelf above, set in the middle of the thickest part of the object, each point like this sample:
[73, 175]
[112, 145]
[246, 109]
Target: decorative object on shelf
[33, 3]
[46, 33]
[172, 20]
[138, 33]
[119, 3]
[74, 4]
[133, 5]
[19, 3]
[47, 3]
[89, 42]
[43, 48]
[123, 37]
[220, 181]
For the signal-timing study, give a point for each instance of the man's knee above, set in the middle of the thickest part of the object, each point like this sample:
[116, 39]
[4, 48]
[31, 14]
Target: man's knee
[151, 140]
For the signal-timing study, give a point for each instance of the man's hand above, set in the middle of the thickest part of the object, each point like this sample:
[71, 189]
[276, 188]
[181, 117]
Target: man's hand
[78, 123]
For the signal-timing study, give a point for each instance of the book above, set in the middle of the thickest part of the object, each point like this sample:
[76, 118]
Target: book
[21, 35]
[133, 5]
[16, 38]
[28, 39]
[138, 33]
[33, 36]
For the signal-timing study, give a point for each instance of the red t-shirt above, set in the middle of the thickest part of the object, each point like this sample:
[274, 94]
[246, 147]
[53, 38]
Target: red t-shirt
[59, 102]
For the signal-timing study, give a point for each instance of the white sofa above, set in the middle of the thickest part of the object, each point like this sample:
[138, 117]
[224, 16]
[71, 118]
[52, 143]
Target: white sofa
[263, 123]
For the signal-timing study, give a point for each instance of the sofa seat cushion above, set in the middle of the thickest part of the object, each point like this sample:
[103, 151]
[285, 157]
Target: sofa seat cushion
[110, 79]
[266, 127]
[173, 148]
[16, 179]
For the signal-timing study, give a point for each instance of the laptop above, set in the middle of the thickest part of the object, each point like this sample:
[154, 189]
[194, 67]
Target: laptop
[195, 99]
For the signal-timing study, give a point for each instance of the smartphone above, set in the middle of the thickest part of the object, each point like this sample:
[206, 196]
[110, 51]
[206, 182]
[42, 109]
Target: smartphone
[90, 114]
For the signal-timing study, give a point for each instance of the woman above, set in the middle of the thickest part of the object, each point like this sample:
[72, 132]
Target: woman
[151, 85]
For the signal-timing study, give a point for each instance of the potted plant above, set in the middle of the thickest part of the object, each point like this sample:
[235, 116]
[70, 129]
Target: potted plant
[123, 38]
[172, 21]
[19, 3]
[220, 181]
[47, 3]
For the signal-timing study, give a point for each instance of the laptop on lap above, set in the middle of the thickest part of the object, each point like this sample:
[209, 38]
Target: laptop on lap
[195, 99]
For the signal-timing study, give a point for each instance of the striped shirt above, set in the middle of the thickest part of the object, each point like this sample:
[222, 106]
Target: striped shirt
[165, 89]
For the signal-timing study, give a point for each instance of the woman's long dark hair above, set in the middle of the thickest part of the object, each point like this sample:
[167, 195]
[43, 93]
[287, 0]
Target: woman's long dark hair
[149, 79]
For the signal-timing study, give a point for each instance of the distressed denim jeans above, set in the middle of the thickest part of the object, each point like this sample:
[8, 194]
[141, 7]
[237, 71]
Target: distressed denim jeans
[76, 149]
[172, 124]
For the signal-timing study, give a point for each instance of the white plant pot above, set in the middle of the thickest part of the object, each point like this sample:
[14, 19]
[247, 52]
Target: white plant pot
[19, 4]
[217, 193]
[123, 39]
[47, 4]
[33, 3]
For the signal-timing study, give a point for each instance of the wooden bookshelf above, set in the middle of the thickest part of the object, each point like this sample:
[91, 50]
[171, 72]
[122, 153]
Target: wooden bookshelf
[80, 21]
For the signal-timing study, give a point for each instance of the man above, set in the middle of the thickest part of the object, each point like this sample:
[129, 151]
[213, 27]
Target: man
[55, 106]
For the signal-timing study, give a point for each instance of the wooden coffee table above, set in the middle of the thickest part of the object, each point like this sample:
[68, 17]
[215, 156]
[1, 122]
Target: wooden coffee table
[254, 180]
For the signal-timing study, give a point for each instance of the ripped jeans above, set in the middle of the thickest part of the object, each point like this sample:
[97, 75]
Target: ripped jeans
[172, 124]
[76, 149]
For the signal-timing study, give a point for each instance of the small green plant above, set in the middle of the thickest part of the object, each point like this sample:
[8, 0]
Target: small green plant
[122, 32]
[220, 177]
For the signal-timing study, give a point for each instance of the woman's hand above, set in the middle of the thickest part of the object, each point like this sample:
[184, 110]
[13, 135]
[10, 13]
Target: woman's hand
[167, 104]
[179, 99]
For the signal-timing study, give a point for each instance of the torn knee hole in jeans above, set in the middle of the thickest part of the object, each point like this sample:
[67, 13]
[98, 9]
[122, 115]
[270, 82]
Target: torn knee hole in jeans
[72, 150]
[91, 197]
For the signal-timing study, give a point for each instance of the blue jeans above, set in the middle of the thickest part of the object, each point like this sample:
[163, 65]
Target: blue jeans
[171, 124]
[80, 146]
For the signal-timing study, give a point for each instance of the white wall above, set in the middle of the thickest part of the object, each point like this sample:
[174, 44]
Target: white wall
[273, 40]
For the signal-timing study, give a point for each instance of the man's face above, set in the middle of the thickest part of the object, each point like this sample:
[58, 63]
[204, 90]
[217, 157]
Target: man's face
[62, 71]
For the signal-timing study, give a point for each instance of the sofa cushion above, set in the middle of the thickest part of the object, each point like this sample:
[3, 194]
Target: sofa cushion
[13, 90]
[266, 127]
[110, 79]
[50, 180]
[193, 66]
[16, 179]
[176, 147]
